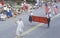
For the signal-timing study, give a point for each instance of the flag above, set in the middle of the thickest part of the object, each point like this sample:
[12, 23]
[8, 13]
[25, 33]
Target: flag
[40, 19]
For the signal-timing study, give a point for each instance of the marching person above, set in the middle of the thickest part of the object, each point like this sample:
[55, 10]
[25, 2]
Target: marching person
[30, 16]
[49, 17]
[20, 27]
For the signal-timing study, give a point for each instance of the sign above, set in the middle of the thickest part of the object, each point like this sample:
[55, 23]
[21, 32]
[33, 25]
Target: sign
[40, 19]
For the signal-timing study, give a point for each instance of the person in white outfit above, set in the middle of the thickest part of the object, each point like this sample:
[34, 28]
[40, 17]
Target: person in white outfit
[19, 28]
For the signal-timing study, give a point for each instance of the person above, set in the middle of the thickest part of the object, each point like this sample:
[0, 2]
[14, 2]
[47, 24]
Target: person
[2, 15]
[20, 27]
[22, 7]
[49, 17]
[56, 10]
[46, 8]
[26, 7]
[9, 13]
[5, 7]
[30, 16]
[37, 2]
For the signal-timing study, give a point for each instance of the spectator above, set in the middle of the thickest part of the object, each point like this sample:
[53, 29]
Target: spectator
[56, 10]
[9, 12]
[2, 15]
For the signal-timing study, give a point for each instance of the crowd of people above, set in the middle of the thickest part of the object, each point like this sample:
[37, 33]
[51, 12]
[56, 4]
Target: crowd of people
[6, 11]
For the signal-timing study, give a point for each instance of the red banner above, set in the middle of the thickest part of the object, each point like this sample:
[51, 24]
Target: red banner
[40, 19]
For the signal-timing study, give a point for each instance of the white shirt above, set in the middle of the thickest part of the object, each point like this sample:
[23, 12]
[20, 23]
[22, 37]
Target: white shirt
[49, 15]
[31, 14]
[20, 24]
[8, 9]
[5, 8]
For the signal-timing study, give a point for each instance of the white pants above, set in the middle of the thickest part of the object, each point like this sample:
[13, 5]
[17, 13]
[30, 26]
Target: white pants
[19, 30]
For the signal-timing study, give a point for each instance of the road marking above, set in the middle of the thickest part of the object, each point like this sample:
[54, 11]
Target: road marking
[37, 26]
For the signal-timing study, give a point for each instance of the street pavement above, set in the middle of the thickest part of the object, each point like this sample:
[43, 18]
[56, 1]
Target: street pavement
[33, 30]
